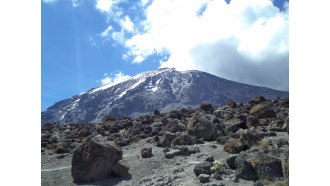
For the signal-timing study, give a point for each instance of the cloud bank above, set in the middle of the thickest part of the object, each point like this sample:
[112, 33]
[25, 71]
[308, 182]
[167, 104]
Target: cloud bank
[244, 41]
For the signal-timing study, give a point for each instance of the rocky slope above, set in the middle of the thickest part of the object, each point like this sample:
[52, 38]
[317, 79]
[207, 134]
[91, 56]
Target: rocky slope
[237, 144]
[163, 89]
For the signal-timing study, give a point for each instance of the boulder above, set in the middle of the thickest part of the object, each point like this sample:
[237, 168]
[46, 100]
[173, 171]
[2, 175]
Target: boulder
[146, 152]
[267, 167]
[94, 160]
[262, 111]
[187, 150]
[233, 146]
[206, 107]
[248, 138]
[252, 121]
[203, 178]
[201, 128]
[121, 142]
[174, 126]
[184, 140]
[257, 100]
[231, 161]
[121, 169]
[233, 125]
[166, 139]
[231, 104]
[203, 168]
[172, 153]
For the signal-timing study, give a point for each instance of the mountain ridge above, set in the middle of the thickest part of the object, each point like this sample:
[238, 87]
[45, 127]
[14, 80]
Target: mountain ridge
[163, 89]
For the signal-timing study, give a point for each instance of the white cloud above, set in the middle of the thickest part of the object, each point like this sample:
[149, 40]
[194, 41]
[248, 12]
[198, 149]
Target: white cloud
[127, 24]
[245, 41]
[113, 79]
[49, 1]
[104, 5]
[106, 32]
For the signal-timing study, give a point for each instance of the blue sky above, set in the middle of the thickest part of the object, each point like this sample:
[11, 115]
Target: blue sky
[89, 43]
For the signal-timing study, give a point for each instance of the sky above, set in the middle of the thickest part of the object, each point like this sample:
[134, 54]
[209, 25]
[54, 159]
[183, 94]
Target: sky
[90, 43]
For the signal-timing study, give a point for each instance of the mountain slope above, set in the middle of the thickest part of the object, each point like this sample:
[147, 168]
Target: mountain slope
[162, 89]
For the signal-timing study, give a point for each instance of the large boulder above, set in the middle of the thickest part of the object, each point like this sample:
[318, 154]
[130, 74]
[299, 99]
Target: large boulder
[174, 126]
[233, 125]
[121, 168]
[262, 111]
[233, 146]
[94, 160]
[248, 138]
[267, 167]
[201, 127]
[184, 140]
[166, 139]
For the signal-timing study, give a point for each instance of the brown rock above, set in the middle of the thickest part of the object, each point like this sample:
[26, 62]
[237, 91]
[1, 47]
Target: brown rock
[233, 146]
[231, 104]
[262, 111]
[94, 160]
[257, 100]
[146, 152]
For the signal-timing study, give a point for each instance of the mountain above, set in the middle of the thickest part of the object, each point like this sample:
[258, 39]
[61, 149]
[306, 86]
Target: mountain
[163, 89]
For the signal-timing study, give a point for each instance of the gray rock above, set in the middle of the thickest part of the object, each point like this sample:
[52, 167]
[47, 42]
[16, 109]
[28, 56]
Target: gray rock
[252, 121]
[217, 176]
[184, 140]
[203, 178]
[172, 153]
[233, 125]
[203, 168]
[267, 168]
[166, 139]
[121, 168]
[94, 160]
[209, 159]
[231, 161]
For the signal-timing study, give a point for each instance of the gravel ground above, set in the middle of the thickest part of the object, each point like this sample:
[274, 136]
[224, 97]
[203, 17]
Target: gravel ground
[156, 170]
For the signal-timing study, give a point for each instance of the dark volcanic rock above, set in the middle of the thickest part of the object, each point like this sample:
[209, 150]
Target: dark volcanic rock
[252, 121]
[184, 140]
[172, 153]
[267, 168]
[257, 100]
[203, 178]
[94, 160]
[201, 127]
[233, 125]
[121, 168]
[231, 104]
[262, 111]
[203, 168]
[166, 139]
[146, 152]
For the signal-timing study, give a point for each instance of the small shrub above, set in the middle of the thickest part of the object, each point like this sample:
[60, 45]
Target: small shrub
[218, 166]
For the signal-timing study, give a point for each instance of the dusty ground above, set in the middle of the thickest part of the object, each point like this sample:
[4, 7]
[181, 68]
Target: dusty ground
[156, 170]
